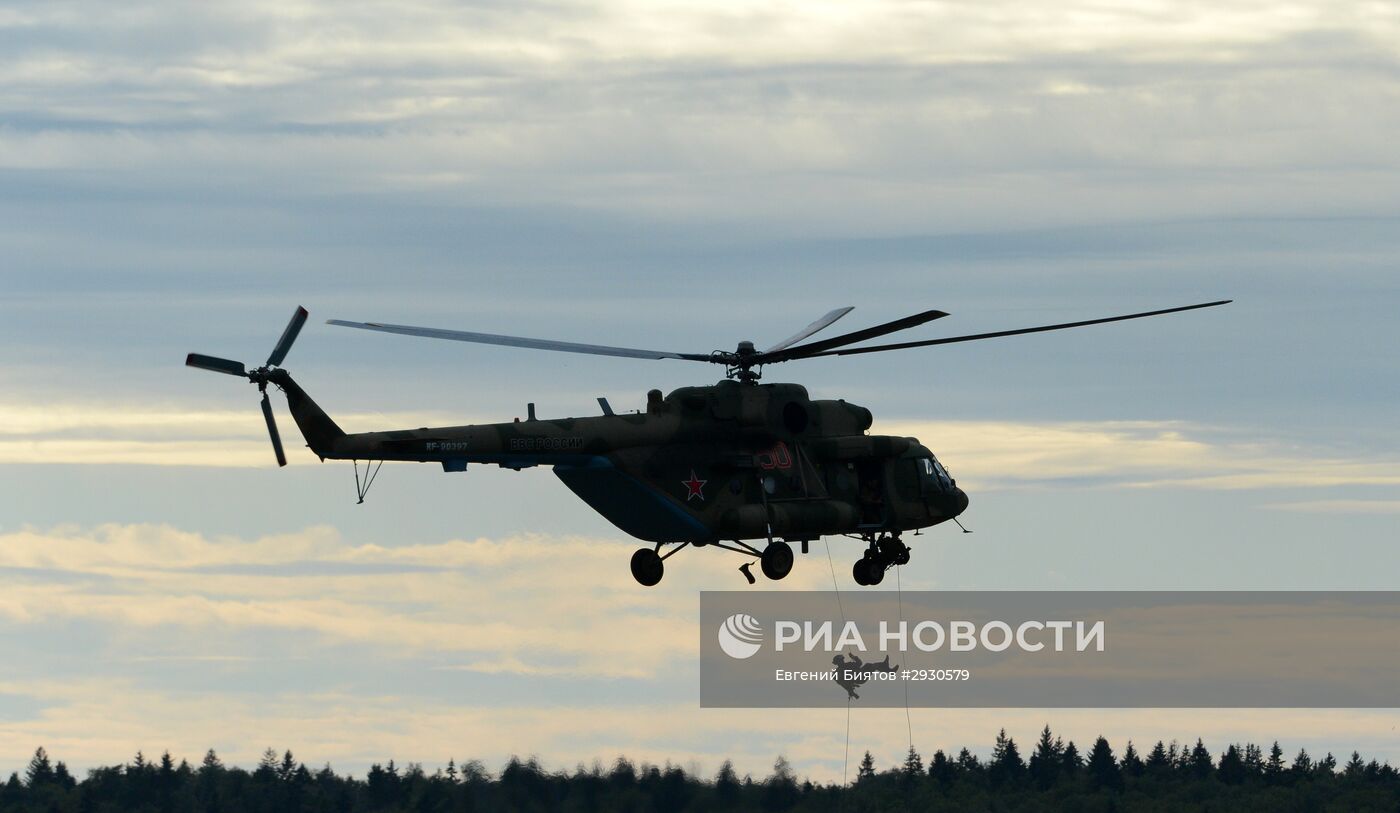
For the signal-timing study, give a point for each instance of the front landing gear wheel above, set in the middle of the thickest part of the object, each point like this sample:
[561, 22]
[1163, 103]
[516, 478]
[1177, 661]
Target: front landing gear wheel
[868, 572]
[777, 560]
[647, 567]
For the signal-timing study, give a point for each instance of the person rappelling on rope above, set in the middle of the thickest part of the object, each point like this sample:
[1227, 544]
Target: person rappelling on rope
[854, 673]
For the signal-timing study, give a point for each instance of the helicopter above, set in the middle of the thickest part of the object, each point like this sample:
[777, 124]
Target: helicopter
[722, 466]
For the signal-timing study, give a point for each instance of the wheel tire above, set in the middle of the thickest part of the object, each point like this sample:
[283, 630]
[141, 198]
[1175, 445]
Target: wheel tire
[647, 567]
[875, 573]
[902, 558]
[776, 560]
[858, 573]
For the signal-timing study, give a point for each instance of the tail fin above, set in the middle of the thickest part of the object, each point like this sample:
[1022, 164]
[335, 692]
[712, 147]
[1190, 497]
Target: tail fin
[316, 426]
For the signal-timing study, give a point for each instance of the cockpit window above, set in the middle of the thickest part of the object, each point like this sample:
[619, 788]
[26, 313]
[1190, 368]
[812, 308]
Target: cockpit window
[933, 471]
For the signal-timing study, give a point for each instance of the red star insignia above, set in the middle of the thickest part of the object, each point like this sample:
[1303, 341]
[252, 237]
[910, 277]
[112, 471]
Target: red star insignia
[694, 486]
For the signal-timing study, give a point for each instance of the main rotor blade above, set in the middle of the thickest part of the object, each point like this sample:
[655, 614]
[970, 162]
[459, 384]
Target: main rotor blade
[973, 337]
[215, 364]
[272, 430]
[817, 348]
[810, 329]
[279, 352]
[520, 341]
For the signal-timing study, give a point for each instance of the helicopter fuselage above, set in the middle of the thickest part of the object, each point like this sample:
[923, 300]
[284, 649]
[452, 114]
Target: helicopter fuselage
[731, 461]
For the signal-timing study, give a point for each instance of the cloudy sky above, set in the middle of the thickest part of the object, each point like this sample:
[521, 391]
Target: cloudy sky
[682, 175]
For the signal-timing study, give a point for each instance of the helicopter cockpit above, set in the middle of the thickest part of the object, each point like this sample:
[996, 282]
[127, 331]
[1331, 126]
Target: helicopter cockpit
[933, 475]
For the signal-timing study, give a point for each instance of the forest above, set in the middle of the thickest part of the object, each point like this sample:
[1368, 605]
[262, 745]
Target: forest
[1051, 774]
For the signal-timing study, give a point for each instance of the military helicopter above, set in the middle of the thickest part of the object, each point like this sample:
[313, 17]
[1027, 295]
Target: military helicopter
[722, 466]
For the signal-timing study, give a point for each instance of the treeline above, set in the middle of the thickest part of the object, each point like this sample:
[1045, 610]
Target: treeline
[1055, 776]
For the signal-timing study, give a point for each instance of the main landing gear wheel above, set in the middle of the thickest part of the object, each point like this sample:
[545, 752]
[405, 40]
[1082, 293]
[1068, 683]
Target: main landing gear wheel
[647, 567]
[777, 560]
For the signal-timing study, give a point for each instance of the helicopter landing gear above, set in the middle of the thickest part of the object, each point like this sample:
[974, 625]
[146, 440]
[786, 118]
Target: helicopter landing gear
[883, 553]
[777, 560]
[868, 571]
[647, 563]
[647, 568]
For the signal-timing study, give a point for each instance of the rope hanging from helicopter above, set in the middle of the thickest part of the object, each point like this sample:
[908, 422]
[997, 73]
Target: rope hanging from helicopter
[899, 598]
[836, 588]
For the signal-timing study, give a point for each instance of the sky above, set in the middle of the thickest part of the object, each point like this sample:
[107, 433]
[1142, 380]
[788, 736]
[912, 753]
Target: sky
[677, 175]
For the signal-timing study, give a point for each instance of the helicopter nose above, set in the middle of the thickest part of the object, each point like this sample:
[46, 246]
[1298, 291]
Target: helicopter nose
[959, 501]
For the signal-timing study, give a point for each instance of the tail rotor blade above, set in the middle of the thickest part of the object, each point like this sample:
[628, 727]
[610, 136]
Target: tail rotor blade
[215, 364]
[288, 336]
[272, 430]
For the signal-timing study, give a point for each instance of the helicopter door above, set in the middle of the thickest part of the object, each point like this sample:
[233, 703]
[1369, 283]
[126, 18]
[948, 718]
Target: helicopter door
[870, 480]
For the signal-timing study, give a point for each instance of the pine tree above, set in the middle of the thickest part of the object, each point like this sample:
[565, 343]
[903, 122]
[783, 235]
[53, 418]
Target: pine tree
[1103, 768]
[1157, 760]
[867, 768]
[61, 776]
[727, 784]
[940, 768]
[1327, 766]
[1232, 770]
[913, 764]
[1273, 769]
[1355, 768]
[1070, 761]
[1006, 764]
[267, 766]
[1253, 759]
[1045, 760]
[779, 789]
[452, 771]
[1302, 764]
[1201, 764]
[968, 762]
[40, 770]
[211, 762]
[1131, 764]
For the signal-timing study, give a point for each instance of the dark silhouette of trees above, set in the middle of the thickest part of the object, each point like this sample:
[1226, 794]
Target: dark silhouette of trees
[913, 764]
[1245, 778]
[940, 768]
[1103, 768]
[1045, 760]
[1199, 762]
[1232, 770]
[1006, 765]
[867, 768]
[1131, 764]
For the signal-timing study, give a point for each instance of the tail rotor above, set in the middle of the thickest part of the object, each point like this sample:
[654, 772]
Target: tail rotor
[259, 376]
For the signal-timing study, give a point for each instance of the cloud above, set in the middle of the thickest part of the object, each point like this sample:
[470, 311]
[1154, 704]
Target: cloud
[877, 118]
[484, 602]
[1339, 506]
[559, 610]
